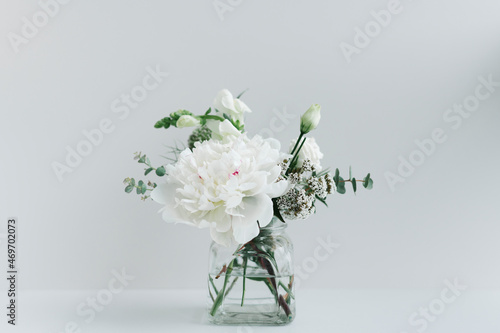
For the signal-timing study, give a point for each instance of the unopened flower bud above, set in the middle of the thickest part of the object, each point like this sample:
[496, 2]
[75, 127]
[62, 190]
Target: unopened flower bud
[187, 121]
[310, 119]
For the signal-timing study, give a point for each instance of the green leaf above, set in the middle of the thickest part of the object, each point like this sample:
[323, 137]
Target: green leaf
[350, 174]
[341, 186]
[142, 159]
[174, 116]
[132, 182]
[129, 188]
[241, 93]
[336, 178]
[160, 171]
[353, 181]
[140, 183]
[368, 182]
[165, 122]
[148, 171]
[322, 200]
[208, 111]
[144, 188]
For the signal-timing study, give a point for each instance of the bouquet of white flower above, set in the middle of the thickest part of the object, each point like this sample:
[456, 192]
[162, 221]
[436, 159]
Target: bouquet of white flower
[237, 185]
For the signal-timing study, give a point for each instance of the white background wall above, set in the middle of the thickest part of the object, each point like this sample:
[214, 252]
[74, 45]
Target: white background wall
[441, 223]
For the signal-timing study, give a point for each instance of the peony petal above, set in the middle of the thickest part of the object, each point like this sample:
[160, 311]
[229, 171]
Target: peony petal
[266, 211]
[275, 144]
[275, 190]
[257, 208]
[222, 238]
[221, 219]
[171, 215]
[165, 195]
[274, 173]
[242, 232]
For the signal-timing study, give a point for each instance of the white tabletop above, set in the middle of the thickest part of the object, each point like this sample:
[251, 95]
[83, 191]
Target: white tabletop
[350, 311]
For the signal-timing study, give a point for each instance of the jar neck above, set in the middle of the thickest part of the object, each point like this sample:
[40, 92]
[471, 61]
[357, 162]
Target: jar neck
[273, 227]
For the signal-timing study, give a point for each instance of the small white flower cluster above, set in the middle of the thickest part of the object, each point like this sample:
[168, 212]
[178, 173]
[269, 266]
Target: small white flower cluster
[321, 186]
[307, 186]
[296, 204]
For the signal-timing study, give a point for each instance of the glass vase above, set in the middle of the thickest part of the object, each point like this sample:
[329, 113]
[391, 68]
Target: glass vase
[252, 283]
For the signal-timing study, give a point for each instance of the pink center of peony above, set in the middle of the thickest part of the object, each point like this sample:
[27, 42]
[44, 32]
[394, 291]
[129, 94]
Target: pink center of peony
[235, 173]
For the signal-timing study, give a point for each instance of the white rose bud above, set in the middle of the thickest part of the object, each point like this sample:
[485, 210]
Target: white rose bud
[187, 121]
[310, 119]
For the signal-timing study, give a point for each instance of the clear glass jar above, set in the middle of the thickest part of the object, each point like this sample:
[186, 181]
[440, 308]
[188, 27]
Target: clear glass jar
[252, 284]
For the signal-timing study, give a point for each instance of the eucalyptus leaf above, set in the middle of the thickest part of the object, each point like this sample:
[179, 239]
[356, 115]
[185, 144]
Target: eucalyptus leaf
[336, 178]
[129, 188]
[341, 186]
[160, 171]
[368, 182]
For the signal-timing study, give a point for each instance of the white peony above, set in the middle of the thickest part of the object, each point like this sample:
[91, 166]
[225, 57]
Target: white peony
[310, 150]
[226, 103]
[225, 185]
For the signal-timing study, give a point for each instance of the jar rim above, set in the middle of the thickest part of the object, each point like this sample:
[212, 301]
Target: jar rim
[275, 224]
